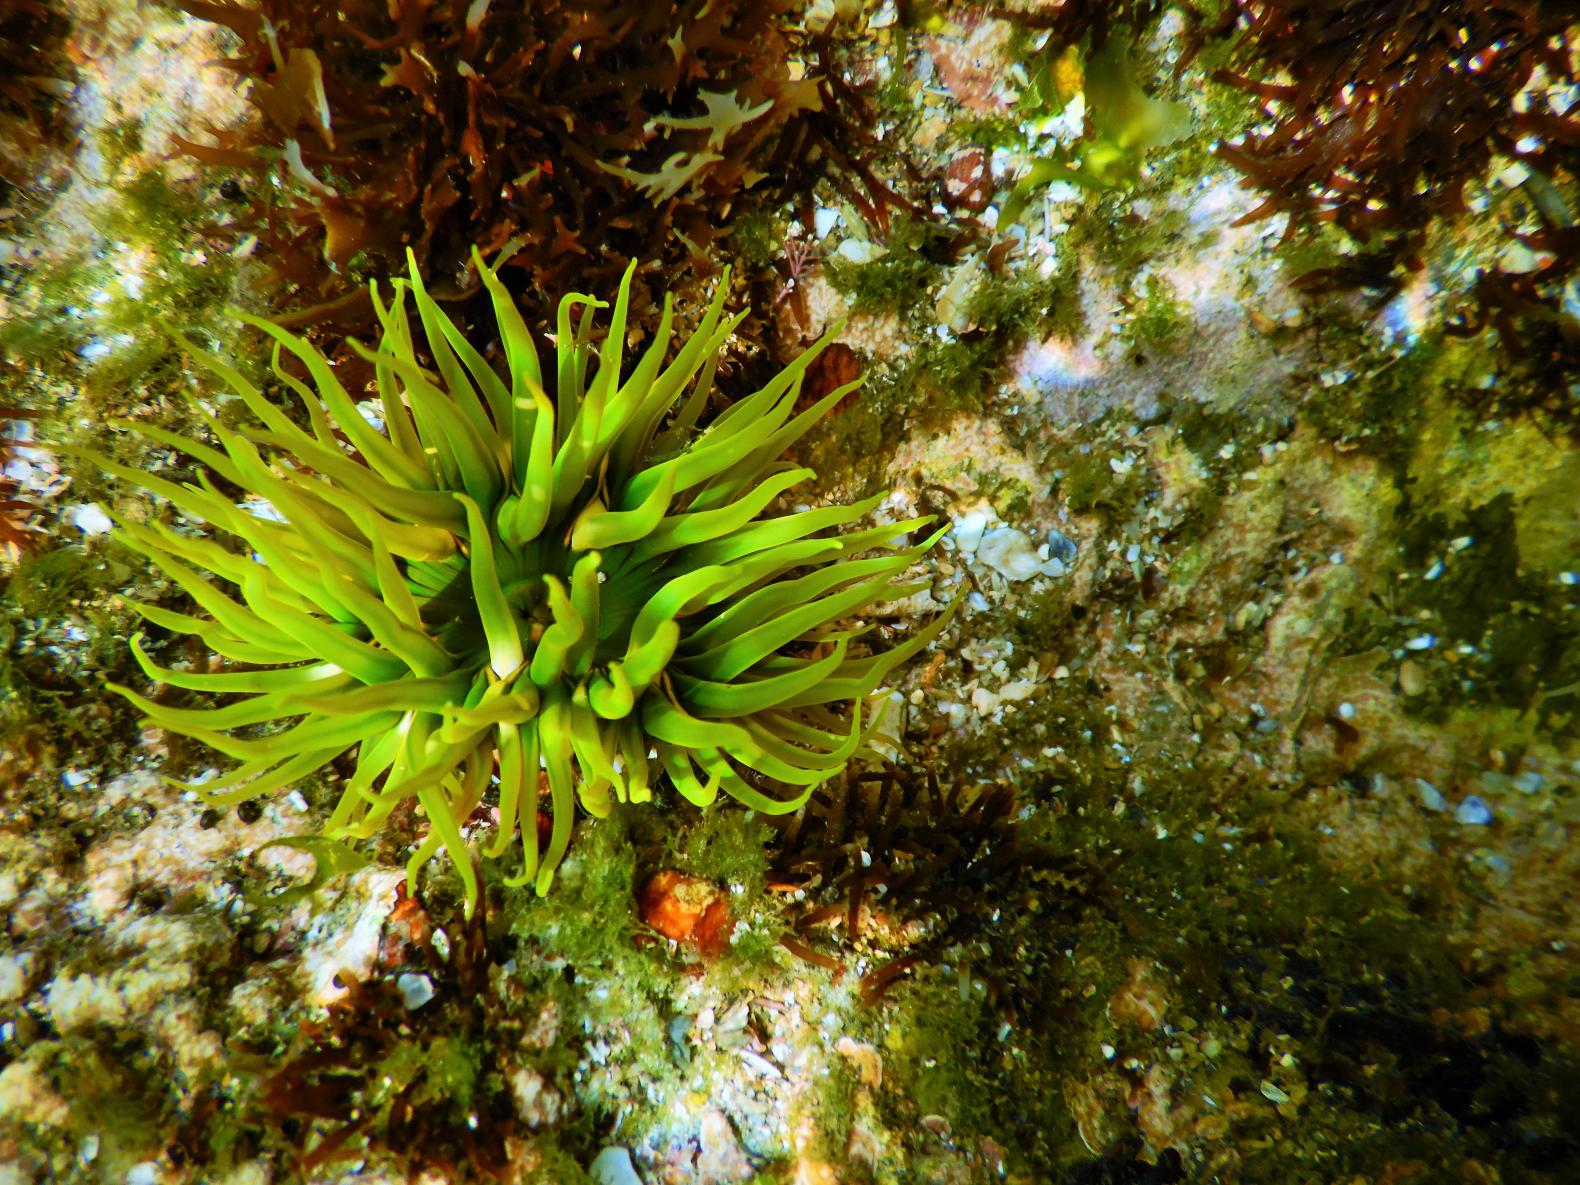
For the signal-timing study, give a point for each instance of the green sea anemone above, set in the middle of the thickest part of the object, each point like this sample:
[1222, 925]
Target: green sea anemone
[560, 579]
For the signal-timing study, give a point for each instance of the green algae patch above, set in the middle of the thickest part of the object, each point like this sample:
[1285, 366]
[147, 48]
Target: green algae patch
[579, 948]
[106, 317]
[1459, 461]
[92, 329]
[901, 275]
[1157, 318]
[62, 629]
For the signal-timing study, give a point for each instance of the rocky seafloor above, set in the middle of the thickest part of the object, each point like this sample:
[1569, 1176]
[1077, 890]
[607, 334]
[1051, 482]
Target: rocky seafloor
[1259, 704]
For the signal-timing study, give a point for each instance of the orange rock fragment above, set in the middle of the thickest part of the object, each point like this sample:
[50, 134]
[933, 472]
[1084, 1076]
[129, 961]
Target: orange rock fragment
[687, 909]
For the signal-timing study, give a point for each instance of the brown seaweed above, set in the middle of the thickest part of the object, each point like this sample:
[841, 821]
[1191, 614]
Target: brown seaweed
[1382, 114]
[564, 139]
[332, 1093]
[1389, 109]
[942, 868]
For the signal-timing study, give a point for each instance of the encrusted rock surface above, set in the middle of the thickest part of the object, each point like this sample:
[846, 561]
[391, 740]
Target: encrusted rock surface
[1270, 626]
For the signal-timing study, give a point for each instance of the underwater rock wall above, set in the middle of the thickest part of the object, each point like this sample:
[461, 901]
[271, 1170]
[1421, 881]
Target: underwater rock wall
[1225, 833]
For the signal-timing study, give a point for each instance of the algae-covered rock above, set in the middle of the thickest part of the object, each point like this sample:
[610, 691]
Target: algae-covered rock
[1226, 832]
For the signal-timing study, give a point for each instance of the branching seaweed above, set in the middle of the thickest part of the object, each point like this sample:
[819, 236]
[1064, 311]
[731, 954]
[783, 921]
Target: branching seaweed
[380, 1074]
[940, 868]
[567, 140]
[1383, 114]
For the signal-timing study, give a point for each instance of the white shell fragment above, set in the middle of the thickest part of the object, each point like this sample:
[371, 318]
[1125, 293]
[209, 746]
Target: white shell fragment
[1012, 555]
[89, 518]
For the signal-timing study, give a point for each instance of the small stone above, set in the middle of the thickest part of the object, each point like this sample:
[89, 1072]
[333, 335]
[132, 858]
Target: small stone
[1431, 797]
[866, 1059]
[89, 518]
[860, 251]
[1062, 548]
[1412, 679]
[16, 976]
[1473, 812]
[968, 531]
[938, 1125]
[720, 1160]
[613, 1166]
[415, 990]
[1528, 782]
[537, 1103]
[1272, 1093]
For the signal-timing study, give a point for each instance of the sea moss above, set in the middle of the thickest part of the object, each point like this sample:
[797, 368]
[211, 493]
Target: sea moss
[60, 638]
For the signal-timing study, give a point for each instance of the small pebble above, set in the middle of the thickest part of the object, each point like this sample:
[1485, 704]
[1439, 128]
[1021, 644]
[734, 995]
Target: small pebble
[1473, 812]
[1062, 548]
[16, 976]
[1431, 797]
[415, 990]
[613, 1166]
[860, 251]
[968, 531]
[89, 518]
